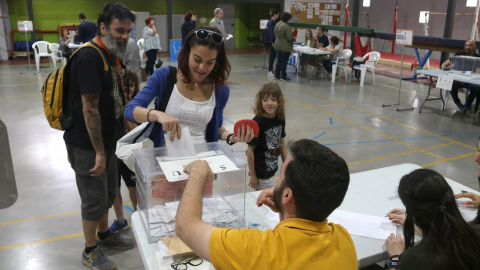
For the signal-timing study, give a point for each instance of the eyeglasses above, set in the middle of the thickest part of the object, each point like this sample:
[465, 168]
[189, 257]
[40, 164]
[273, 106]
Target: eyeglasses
[182, 264]
[204, 34]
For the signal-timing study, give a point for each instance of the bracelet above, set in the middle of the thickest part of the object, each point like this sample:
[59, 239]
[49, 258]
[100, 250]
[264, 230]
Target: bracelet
[228, 139]
[148, 114]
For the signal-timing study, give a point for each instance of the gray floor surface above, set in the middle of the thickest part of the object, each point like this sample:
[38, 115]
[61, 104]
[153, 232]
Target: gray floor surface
[42, 230]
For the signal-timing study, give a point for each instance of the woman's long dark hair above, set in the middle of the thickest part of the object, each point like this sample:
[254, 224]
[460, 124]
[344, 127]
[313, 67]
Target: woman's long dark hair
[450, 241]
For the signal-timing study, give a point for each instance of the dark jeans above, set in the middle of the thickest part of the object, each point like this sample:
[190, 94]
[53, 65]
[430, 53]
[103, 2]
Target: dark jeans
[281, 67]
[474, 88]
[273, 54]
[357, 72]
[328, 64]
[151, 58]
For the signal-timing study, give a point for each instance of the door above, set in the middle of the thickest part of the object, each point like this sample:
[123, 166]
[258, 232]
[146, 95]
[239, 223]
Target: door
[229, 22]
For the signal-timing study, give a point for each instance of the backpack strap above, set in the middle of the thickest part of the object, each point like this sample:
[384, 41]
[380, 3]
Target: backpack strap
[171, 81]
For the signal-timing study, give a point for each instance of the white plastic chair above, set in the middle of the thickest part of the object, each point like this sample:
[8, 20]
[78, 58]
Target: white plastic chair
[40, 49]
[140, 49]
[56, 55]
[341, 62]
[373, 57]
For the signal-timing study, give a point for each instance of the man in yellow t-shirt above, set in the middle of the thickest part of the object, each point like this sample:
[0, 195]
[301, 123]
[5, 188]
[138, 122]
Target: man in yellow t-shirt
[312, 184]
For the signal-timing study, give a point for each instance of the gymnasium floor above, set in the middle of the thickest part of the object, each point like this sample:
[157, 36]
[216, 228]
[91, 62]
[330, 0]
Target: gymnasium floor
[42, 230]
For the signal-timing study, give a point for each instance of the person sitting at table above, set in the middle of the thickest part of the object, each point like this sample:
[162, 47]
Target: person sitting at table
[336, 49]
[321, 42]
[76, 38]
[311, 42]
[312, 184]
[470, 50]
[448, 242]
[63, 41]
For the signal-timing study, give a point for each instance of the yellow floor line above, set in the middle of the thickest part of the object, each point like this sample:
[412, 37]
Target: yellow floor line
[20, 96]
[381, 158]
[10, 100]
[49, 216]
[369, 129]
[449, 159]
[42, 241]
[35, 218]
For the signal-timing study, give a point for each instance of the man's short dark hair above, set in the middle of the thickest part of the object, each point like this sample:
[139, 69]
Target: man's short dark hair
[111, 11]
[318, 178]
[285, 16]
[81, 16]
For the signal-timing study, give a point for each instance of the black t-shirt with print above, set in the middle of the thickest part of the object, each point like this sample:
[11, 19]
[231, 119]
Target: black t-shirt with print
[267, 145]
[87, 76]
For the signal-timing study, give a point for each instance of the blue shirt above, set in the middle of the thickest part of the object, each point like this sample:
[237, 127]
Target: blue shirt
[323, 39]
[155, 89]
[271, 27]
[87, 31]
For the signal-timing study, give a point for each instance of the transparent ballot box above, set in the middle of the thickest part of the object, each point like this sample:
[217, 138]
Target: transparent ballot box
[158, 198]
[465, 65]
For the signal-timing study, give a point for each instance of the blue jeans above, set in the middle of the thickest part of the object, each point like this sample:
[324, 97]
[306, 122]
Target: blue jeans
[151, 58]
[273, 54]
[281, 68]
[328, 64]
[474, 88]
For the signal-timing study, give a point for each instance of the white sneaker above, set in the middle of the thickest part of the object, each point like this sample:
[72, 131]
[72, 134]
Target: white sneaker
[270, 73]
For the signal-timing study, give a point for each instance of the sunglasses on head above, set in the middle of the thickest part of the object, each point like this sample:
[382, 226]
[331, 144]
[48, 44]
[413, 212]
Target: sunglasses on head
[204, 34]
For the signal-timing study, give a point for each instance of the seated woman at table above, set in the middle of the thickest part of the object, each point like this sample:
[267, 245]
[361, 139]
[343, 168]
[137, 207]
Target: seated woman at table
[448, 241]
[63, 41]
[309, 42]
[336, 49]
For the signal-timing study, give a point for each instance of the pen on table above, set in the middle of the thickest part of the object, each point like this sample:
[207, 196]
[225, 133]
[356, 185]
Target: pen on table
[399, 213]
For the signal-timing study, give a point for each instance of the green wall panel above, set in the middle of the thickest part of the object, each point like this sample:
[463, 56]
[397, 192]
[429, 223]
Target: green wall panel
[48, 14]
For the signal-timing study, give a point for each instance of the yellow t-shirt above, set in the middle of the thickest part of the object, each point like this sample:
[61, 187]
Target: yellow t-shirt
[293, 244]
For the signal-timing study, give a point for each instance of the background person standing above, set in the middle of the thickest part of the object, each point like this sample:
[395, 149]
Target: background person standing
[151, 44]
[283, 45]
[271, 35]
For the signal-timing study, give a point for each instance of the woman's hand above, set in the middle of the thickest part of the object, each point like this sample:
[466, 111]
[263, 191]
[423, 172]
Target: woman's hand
[169, 123]
[474, 197]
[395, 245]
[397, 218]
[244, 134]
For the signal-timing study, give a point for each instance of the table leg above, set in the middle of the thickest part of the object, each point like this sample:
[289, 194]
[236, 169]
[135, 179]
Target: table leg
[428, 95]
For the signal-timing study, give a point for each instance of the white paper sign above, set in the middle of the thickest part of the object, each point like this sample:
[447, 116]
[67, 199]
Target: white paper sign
[310, 13]
[173, 170]
[25, 25]
[263, 24]
[317, 5]
[445, 82]
[317, 11]
[404, 37]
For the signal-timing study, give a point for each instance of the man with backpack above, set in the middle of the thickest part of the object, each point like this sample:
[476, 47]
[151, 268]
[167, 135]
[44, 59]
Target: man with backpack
[94, 99]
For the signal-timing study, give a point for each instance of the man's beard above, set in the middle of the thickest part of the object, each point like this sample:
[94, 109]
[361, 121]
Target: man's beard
[117, 47]
[277, 197]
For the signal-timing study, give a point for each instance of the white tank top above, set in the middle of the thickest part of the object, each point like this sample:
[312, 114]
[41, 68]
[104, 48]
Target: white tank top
[192, 114]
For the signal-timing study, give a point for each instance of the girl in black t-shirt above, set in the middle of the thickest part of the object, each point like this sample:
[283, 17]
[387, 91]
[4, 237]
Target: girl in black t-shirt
[263, 151]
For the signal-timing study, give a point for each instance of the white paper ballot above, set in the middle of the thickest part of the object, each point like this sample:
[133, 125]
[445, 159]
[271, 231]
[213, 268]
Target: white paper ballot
[173, 170]
[182, 147]
[229, 36]
[363, 225]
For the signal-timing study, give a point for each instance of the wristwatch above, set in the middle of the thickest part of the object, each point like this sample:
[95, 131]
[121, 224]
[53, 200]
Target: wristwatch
[393, 261]
[228, 139]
